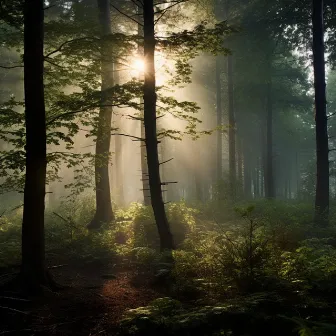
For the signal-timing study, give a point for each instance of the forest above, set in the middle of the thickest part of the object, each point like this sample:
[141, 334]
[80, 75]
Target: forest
[168, 167]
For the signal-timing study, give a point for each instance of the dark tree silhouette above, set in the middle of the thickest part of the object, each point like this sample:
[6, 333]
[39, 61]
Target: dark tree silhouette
[150, 119]
[144, 166]
[219, 112]
[104, 212]
[232, 129]
[269, 178]
[33, 270]
[322, 150]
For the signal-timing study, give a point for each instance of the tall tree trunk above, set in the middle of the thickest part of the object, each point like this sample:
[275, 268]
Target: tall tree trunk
[166, 239]
[118, 157]
[219, 112]
[162, 158]
[198, 168]
[269, 178]
[257, 187]
[118, 162]
[247, 173]
[232, 130]
[239, 167]
[104, 212]
[144, 169]
[297, 174]
[33, 270]
[143, 156]
[321, 128]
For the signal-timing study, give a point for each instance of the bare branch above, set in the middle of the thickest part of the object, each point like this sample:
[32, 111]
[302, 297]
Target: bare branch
[129, 17]
[163, 12]
[60, 47]
[166, 161]
[10, 67]
[130, 136]
[166, 183]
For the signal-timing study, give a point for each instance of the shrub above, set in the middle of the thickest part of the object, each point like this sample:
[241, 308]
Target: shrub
[10, 238]
[312, 265]
[180, 217]
[167, 317]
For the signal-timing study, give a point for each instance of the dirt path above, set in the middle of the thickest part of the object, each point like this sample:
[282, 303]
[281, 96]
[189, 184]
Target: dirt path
[93, 305]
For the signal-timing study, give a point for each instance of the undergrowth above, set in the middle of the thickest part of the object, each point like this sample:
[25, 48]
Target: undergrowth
[266, 261]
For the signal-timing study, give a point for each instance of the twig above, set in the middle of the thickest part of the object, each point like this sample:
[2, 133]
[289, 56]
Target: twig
[14, 310]
[11, 67]
[129, 17]
[57, 266]
[130, 136]
[13, 298]
[166, 161]
[166, 183]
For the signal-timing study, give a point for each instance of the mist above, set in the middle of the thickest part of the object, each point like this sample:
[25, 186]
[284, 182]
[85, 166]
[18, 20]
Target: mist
[167, 167]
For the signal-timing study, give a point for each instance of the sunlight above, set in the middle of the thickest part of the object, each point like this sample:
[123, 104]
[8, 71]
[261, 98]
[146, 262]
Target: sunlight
[139, 65]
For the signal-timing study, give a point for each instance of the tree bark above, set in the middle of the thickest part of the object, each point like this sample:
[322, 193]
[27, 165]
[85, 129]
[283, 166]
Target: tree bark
[232, 131]
[144, 169]
[219, 112]
[269, 178]
[198, 168]
[239, 166]
[33, 270]
[321, 127]
[104, 212]
[257, 182]
[118, 157]
[143, 158]
[247, 172]
[166, 239]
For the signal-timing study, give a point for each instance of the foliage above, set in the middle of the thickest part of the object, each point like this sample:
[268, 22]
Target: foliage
[166, 316]
[180, 217]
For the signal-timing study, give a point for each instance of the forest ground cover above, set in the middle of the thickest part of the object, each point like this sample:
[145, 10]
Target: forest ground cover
[238, 270]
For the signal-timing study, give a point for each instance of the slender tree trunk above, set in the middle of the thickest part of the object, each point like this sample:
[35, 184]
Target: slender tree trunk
[232, 130]
[144, 169]
[104, 212]
[321, 128]
[219, 111]
[33, 269]
[247, 173]
[297, 174]
[118, 161]
[257, 183]
[166, 239]
[263, 159]
[118, 158]
[285, 189]
[198, 168]
[162, 158]
[143, 155]
[239, 167]
[269, 178]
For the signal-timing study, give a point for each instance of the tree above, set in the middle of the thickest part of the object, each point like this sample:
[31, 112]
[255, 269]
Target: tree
[322, 149]
[144, 166]
[150, 119]
[104, 212]
[33, 269]
[219, 113]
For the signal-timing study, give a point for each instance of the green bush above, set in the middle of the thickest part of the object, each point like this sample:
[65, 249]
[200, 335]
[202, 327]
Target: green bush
[180, 217]
[312, 265]
[167, 317]
[240, 259]
[10, 238]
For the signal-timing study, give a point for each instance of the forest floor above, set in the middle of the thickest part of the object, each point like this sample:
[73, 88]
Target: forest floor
[93, 304]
